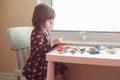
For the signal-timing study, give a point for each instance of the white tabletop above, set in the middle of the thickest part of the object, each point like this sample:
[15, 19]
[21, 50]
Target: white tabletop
[103, 58]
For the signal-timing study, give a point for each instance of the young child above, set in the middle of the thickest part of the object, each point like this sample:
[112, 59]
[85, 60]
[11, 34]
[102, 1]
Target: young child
[41, 43]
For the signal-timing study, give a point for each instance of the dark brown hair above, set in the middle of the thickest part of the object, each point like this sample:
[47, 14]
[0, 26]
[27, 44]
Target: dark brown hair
[42, 12]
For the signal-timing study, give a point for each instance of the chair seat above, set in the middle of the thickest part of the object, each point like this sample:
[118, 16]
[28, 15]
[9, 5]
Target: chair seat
[18, 72]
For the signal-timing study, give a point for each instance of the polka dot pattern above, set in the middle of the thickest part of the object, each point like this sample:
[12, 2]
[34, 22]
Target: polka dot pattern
[36, 65]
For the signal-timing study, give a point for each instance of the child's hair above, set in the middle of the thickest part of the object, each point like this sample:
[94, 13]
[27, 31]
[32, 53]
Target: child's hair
[42, 12]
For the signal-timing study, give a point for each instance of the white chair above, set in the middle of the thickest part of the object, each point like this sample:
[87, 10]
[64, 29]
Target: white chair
[19, 38]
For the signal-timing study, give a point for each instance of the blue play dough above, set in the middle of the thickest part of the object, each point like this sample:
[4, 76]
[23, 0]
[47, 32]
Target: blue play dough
[110, 46]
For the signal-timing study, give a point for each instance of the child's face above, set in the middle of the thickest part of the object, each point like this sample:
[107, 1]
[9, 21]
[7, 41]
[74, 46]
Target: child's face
[48, 23]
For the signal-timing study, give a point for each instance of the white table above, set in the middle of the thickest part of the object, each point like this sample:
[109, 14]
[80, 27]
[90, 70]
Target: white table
[103, 59]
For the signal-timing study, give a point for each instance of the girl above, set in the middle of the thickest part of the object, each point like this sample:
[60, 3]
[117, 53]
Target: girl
[41, 43]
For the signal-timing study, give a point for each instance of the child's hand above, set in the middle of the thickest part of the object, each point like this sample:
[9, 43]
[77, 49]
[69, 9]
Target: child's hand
[57, 40]
[60, 38]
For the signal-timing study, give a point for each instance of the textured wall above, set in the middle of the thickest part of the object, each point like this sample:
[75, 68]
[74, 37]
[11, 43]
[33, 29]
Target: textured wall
[12, 13]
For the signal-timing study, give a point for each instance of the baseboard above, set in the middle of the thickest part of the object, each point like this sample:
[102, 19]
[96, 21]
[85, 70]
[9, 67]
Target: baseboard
[8, 76]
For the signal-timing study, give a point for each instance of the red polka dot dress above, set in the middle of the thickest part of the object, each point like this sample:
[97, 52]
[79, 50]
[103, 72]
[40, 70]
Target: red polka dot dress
[36, 65]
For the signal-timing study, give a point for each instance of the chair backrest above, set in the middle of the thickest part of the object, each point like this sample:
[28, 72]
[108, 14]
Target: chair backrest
[19, 38]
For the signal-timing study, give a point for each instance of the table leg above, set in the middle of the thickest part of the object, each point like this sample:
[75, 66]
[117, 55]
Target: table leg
[50, 71]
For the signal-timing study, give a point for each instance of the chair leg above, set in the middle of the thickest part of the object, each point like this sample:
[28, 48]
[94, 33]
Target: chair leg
[18, 77]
